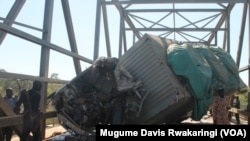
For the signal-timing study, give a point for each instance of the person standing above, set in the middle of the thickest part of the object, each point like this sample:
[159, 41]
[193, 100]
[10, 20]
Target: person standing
[31, 113]
[11, 101]
[220, 108]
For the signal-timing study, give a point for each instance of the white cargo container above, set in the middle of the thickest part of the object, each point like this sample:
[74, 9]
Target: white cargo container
[168, 100]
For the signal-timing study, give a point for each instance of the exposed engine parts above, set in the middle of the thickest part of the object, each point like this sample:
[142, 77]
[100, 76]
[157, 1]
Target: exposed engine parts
[105, 93]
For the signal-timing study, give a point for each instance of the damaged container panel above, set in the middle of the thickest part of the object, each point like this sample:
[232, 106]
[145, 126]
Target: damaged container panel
[168, 99]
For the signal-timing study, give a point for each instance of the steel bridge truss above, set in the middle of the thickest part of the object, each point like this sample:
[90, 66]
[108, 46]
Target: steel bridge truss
[180, 20]
[176, 19]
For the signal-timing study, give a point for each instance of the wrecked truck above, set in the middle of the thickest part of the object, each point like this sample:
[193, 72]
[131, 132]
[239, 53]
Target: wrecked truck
[158, 80]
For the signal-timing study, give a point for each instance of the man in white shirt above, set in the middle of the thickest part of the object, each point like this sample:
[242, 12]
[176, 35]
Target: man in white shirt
[11, 101]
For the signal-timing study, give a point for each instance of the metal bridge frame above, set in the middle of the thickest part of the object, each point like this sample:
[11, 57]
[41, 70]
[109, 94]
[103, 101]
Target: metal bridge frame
[131, 23]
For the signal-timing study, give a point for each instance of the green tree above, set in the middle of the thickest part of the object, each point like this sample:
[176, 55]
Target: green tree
[54, 76]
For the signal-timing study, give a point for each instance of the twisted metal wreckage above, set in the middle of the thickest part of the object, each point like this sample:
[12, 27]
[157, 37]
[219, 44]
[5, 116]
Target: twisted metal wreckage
[105, 93]
[170, 81]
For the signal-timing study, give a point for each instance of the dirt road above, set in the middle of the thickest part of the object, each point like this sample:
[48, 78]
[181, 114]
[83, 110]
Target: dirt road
[57, 130]
[50, 131]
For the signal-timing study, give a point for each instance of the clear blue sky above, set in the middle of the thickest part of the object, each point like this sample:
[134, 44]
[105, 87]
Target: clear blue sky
[20, 56]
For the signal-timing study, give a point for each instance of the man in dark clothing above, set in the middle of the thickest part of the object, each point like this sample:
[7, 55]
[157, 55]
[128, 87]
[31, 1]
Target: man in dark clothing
[31, 114]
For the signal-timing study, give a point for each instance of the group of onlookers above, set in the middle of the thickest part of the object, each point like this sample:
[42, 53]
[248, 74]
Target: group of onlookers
[30, 100]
